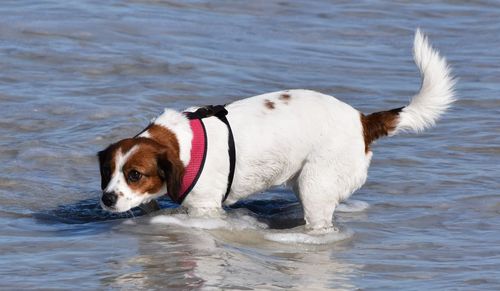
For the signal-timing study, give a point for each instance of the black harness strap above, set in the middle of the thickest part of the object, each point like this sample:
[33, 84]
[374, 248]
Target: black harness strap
[220, 112]
[232, 154]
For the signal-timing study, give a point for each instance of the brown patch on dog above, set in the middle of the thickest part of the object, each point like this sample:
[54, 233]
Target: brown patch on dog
[269, 104]
[171, 169]
[170, 166]
[144, 161]
[166, 161]
[162, 135]
[285, 97]
[378, 124]
[158, 162]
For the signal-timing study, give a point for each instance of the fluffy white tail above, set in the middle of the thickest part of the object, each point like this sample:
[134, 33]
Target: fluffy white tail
[435, 96]
[436, 92]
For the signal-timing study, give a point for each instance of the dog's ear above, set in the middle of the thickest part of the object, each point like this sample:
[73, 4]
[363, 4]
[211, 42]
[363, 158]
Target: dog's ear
[171, 170]
[104, 166]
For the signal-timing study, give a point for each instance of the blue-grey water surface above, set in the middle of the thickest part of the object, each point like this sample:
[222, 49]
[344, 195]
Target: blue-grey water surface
[78, 75]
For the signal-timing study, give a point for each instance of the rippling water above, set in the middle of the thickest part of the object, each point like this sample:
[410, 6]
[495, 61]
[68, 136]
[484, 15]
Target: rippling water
[77, 75]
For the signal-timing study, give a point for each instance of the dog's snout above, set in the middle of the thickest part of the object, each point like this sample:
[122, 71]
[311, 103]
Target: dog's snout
[109, 198]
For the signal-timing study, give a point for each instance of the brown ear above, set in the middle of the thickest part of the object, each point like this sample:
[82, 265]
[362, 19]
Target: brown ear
[171, 170]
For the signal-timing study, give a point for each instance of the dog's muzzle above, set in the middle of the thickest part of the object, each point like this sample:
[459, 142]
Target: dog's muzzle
[109, 198]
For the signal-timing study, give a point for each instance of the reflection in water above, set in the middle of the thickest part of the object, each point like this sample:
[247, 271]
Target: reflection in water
[225, 258]
[175, 251]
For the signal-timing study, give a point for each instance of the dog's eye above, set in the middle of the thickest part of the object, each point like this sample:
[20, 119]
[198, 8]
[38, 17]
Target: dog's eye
[134, 176]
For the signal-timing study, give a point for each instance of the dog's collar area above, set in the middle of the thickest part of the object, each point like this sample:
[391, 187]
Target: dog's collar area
[199, 145]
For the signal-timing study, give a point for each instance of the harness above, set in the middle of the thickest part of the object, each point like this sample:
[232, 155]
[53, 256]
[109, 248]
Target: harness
[199, 150]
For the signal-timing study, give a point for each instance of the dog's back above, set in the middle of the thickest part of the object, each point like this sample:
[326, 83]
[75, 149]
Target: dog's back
[277, 133]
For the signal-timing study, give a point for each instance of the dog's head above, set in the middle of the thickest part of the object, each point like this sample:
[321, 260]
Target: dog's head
[137, 170]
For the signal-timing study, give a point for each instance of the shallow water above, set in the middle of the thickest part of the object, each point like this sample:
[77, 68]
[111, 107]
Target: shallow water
[77, 75]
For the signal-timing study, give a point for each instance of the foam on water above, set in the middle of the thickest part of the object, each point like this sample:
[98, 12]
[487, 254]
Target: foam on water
[327, 236]
[352, 206]
[241, 220]
[234, 221]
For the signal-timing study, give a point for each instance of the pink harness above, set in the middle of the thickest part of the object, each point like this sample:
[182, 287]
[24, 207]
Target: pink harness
[199, 150]
[197, 161]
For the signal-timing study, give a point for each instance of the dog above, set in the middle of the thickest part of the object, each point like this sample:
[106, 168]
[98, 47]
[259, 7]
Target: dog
[208, 157]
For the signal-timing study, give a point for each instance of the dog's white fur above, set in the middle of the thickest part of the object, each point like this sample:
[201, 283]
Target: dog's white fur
[309, 141]
[436, 93]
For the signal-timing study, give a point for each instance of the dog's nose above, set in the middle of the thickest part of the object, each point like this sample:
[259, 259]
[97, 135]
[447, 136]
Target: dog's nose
[108, 198]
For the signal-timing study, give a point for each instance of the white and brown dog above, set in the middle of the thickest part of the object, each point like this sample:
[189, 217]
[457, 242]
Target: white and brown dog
[309, 141]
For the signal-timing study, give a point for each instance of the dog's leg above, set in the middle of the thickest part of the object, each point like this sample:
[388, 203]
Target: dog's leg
[319, 191]
[201, 204]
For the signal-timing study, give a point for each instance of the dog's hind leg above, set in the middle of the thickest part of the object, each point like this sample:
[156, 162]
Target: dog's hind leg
[320, 190]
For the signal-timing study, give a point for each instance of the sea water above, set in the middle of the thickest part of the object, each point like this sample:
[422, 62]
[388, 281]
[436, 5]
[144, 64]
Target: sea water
[76, 76]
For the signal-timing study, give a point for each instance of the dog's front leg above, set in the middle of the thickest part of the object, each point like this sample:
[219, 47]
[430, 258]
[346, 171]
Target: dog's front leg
[203, 203]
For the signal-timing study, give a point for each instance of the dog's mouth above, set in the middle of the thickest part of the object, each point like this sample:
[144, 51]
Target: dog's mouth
[147, 207]
[109, 208]
[115, 207]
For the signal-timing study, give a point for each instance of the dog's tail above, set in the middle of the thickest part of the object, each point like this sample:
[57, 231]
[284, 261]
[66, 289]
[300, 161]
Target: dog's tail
[435, 96]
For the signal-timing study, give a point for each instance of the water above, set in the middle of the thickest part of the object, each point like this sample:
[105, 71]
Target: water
[77, 75]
